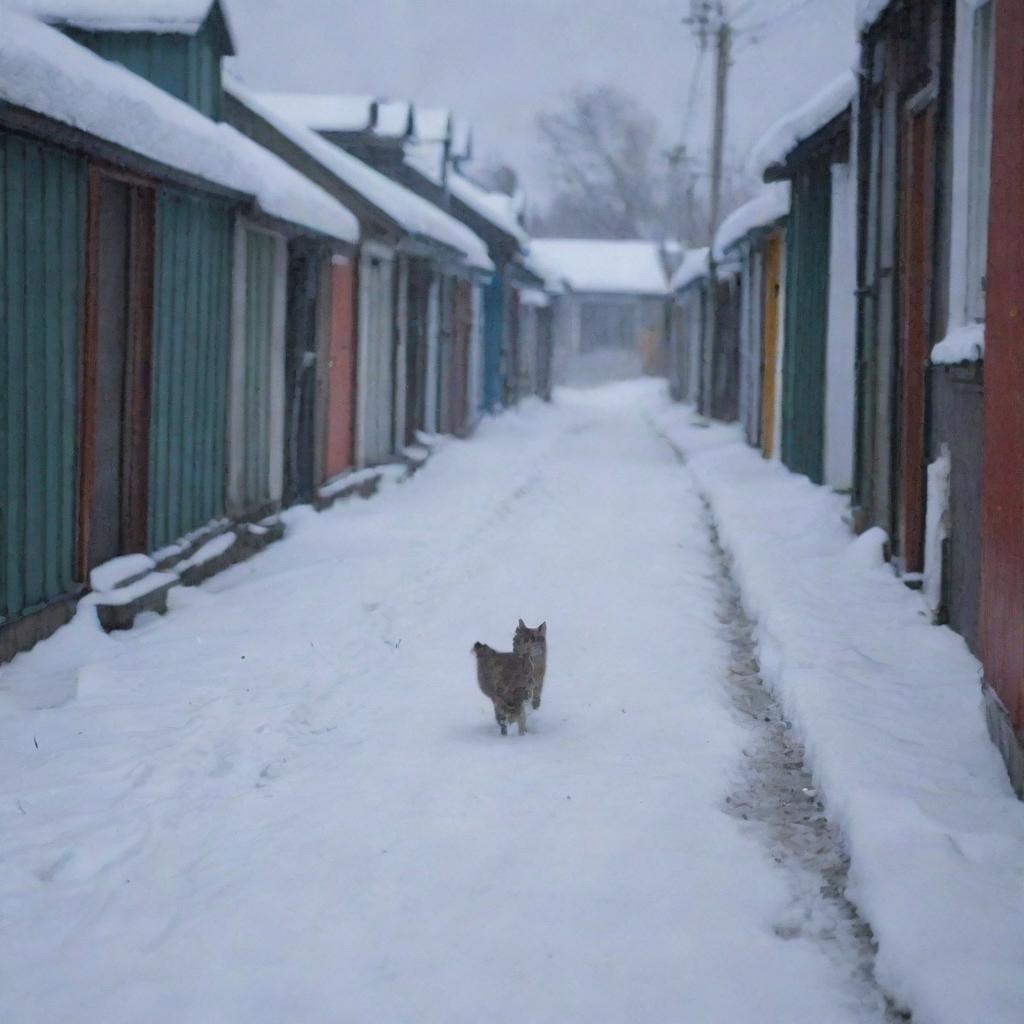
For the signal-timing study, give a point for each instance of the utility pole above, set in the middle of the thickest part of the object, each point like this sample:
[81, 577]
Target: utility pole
[710, 21]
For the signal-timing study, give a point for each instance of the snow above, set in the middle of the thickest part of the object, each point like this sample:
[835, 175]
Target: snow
[501, 210]
[534, 297]
[432, 124]
[632, 267]
[694, 267]
[891, 712]
[322, 112]
[410, 211]
[110, 574]
[44, 71]
[133, 591]
[936, 528]
[965, 344]
[784, 136]
[428, 158]
[180, 17]
[287, 800]
[212, 549]
[764, 210]
[393, 119]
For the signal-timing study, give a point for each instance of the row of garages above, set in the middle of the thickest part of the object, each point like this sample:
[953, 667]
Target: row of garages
[210, 311]
[862, 318]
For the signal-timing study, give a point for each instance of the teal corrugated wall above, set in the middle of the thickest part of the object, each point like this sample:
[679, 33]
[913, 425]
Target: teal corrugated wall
[191, 344]
[185, 66]
[42, 253]
[803, 357]
[259, 329]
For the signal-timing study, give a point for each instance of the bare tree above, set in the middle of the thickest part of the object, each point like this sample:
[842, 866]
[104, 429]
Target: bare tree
[613, 178]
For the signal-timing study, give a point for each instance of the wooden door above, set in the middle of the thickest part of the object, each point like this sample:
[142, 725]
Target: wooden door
[460, 360]
[772, 295]
[917, 201]
[302, 346]
[116, 372]
[341, 370]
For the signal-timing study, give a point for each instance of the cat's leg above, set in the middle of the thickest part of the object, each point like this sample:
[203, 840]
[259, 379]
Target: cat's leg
[538, 685]
[521, 721]
[500, 719]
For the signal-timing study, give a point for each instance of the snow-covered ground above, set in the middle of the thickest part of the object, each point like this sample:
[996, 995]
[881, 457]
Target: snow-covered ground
[287, 799]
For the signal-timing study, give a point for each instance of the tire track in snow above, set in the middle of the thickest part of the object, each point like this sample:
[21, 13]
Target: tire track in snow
[777, 801]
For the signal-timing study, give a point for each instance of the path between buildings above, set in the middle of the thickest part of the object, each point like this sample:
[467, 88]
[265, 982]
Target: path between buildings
[288, 801]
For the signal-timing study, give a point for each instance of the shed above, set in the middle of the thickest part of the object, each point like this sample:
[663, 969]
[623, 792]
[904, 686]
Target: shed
[613, 316]
[810, 149]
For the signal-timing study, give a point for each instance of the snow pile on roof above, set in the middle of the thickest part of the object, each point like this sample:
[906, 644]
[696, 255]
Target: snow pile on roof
[323, 112]
[44, 71]
[537, 262]
[962, 345]
[788, 132]
[179, 17]
[394, 119]
[462, 139]
[629, 267]
[536, 297]
[693, 268]
[891, 714]
[771, 205]
[501, 210]
[432, 124]
[428, 158]
[413, 213]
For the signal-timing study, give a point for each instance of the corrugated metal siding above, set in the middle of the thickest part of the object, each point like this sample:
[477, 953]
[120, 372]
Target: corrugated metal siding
[42, 253]
[803, 396]
[191, 343]
[1002, 573]
[494, 333]
[184, 66]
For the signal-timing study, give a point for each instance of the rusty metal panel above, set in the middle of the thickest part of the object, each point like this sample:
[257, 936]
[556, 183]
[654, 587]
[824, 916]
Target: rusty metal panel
[341, 369]
[772, 296]
[1002, 579]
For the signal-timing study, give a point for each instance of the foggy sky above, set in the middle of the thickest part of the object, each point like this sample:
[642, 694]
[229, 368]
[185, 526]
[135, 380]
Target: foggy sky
[499, 63]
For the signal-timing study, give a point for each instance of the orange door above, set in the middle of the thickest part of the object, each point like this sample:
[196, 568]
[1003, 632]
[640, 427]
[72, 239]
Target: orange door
[341, 371]
[916, 204]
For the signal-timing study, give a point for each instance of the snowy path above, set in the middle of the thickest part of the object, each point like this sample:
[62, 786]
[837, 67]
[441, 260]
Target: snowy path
[288, 801]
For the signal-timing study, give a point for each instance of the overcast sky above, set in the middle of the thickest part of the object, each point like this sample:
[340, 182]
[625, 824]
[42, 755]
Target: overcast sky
[499, 63]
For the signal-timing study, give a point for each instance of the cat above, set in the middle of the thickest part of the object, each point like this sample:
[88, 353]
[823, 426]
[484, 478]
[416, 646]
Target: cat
[533, 642]
[505, 678]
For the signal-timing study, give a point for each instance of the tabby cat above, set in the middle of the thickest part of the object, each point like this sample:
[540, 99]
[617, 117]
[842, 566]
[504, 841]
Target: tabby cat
[533, 642]
[506, 679]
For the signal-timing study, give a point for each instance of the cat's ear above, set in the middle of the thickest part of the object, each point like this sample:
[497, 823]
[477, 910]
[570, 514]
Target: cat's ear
[522, 625]
[543, 629]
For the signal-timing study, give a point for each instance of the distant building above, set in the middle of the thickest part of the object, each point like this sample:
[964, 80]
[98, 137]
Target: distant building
[612, 319]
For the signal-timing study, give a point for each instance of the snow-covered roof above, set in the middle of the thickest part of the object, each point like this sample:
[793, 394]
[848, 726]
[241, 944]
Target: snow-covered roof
[462, 139]
[413, 213]
[628, 267]
[428, 158]
[323, 112]
[771, 205]
[536, 297]
[178, 17]
[394, 119]
[693, 268]
[501, 210]
[789, 131]
[432, 124]
[43, 70]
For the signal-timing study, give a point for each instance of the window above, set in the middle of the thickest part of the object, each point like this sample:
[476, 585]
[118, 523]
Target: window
[979, 170]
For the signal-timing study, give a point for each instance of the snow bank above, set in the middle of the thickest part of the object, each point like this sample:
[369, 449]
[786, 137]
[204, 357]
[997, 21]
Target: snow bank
[413, 213]
[693, 268]
[495, 207]
[890, 710]
[44, 71]
[762, 211]
[936, 528]
[110, 574]
[780, 140]
[632, 267]
[964, 344]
